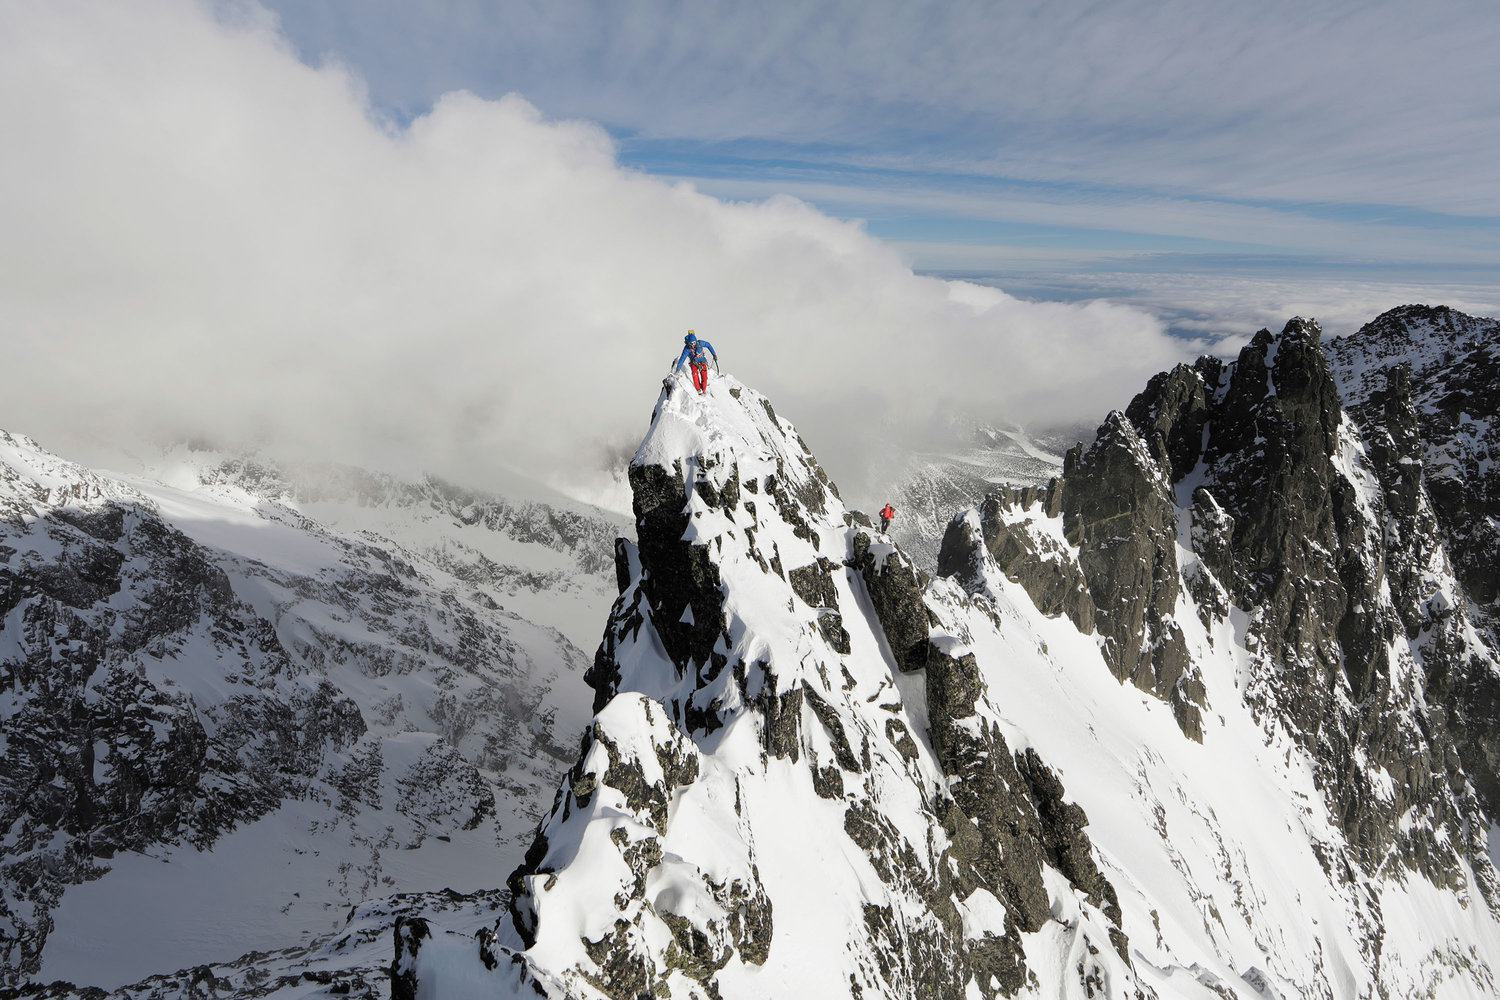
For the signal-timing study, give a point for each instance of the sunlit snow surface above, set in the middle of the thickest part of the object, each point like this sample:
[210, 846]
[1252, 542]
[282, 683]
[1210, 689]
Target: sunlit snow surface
[1214, 848]
[530, 584]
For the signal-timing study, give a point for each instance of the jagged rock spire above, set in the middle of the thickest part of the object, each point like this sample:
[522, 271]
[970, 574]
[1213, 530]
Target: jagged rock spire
[814, 771]
[1289, 519]
[754, 776]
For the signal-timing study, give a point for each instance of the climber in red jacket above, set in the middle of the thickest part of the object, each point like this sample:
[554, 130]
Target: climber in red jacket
[887, 515]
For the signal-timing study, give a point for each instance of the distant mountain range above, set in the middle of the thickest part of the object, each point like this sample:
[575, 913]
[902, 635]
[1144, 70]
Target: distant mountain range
[239, 706]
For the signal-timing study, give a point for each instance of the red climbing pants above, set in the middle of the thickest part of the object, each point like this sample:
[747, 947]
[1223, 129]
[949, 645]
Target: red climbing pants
[700, 377]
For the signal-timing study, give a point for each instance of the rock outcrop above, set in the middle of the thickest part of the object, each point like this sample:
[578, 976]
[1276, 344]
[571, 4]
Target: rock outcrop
[1201, 630]
[163, 691]
[1318, 527]
[734, 693]
[1099, 546]
[1209, 714]
[1118, 514]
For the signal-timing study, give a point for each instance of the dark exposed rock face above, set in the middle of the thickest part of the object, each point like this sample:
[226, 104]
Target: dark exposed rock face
[1423, 383]
[1303, 519]
[814, 584]
[1036, 561]
[1389, 422]
[679, 587]
[1063, 838]
[1009, 817]
[1118, 511]
[1170, 415]
[1297, 534]
[680, 581]
[988, 790]
[1287, 518]
[994, 819]
[1271, 455]
[409, 935]
[895, 589]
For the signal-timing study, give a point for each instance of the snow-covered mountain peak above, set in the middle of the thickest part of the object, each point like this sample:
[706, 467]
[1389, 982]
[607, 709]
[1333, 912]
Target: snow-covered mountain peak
[1424, 384]
[788, 787]
[812, 771]
[725, 494]
[1424, 338]
[1202, 717]
[223, 689]
[1453, 374]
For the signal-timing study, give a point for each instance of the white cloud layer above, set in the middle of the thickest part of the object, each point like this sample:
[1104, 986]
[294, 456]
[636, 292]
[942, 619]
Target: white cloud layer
[1225, 309]
[1229, 308]
[201, 235]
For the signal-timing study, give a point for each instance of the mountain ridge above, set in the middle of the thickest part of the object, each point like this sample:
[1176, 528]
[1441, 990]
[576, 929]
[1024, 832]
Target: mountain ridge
[1235, 750]
[1249, 605]
[212, 677]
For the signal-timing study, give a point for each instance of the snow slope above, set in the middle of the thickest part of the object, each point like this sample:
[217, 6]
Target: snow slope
[1201, 718]
[931, 485]
[260, 696]
[813, 772]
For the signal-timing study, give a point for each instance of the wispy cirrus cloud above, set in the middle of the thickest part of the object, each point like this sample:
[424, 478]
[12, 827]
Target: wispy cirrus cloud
[1340, 101]
[920, 211]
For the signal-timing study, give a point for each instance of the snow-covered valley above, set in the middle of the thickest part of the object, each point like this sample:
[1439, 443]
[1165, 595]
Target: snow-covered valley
[239, 705]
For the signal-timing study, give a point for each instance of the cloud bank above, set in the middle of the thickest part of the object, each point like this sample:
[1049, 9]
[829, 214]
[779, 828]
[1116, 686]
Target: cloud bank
[200, 235]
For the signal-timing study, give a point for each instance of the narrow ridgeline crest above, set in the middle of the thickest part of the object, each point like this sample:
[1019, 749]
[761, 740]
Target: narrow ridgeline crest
[791, 785]
[1166, 726]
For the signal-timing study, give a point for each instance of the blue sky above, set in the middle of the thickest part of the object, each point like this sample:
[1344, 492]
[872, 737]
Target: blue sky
[1348, 141]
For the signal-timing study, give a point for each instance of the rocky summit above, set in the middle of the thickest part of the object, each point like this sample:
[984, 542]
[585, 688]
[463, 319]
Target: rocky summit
[1210, 713]
[1203, 716]
[796, 782]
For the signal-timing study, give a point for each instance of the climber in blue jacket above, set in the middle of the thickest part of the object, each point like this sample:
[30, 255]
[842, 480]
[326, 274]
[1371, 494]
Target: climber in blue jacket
[693, 353]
